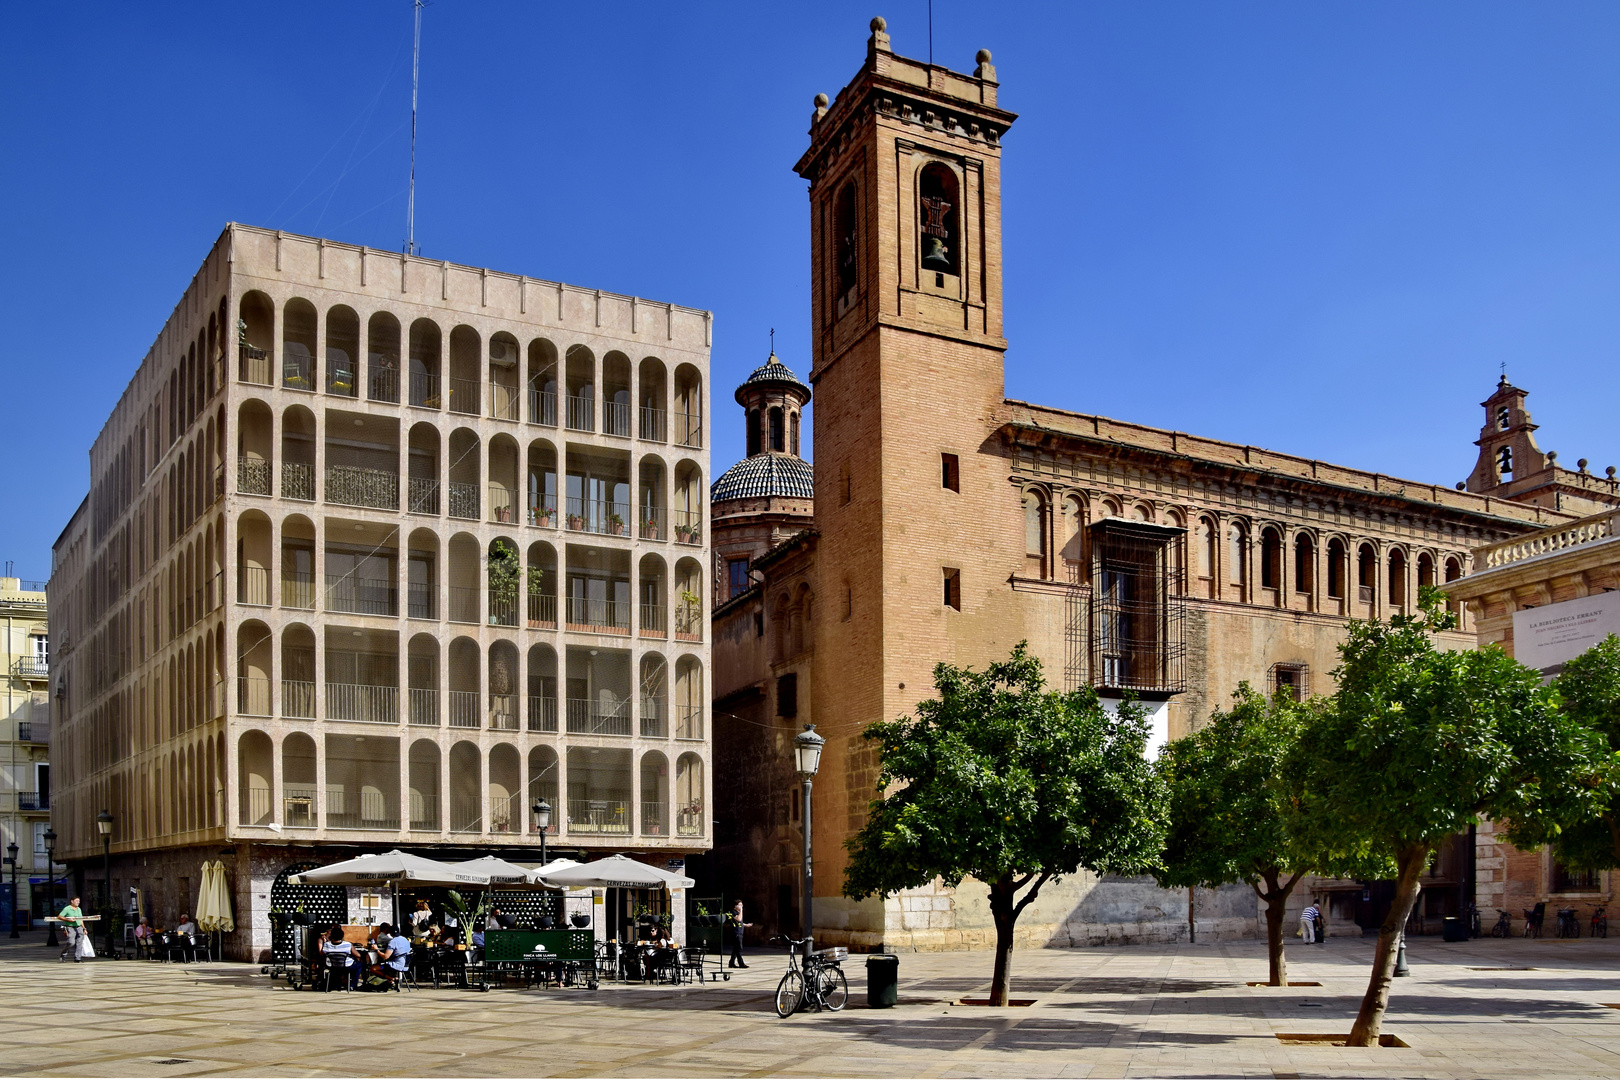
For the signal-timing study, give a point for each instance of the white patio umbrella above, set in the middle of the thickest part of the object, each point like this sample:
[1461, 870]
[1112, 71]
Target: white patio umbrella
[205, 898]
[391, 867]
[616, 872]
[503, 874]
[225, 921]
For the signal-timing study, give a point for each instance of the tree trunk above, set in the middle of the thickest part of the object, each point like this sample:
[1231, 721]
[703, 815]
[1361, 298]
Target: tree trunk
[1276, 910]
[1001, 908]
[1370, 1018]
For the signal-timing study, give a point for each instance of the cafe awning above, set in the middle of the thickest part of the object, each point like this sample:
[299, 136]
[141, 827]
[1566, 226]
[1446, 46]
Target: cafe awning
[393, 866]
[616, 872]
[503, 874]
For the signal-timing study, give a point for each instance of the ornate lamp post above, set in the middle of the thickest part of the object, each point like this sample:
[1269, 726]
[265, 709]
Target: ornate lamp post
[104, 824]
[807, 754]
[50, 885]
[11, 861]
[542, 821]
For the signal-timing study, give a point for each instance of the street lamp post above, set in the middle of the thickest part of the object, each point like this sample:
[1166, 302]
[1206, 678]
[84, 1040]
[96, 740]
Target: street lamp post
[104, 824]
[50, 886]
[807, 753]
[542, 821]
[11, 861]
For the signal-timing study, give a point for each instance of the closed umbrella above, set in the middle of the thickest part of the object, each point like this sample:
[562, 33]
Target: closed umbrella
[205, 898]
[222, 899]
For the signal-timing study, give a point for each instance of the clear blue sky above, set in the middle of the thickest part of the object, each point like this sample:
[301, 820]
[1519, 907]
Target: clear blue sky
[1314, 227]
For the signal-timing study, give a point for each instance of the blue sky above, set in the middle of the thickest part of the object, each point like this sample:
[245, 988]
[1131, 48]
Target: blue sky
[1318, 227]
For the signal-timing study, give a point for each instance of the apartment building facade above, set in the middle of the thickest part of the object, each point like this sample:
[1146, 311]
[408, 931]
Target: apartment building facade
[25, 751]
[380, 550]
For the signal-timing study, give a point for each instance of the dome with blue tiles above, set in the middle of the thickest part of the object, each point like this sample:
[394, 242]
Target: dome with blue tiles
[771, 373]
[765, 476]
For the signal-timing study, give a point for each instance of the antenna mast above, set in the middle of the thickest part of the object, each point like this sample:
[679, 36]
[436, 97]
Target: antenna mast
[416, 67]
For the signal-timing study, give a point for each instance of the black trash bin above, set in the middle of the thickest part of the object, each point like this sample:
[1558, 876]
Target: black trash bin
[882, 980]
[1454, 929]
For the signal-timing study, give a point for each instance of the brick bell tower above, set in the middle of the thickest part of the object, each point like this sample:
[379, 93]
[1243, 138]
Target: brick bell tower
[904, 169]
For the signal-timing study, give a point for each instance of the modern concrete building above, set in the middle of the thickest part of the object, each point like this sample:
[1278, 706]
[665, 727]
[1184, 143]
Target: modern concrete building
[25, 751]
[378, 551]
[950, 523]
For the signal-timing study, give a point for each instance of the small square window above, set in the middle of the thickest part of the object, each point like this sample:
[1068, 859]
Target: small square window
[736, 577]
[950, 472]
[953, 588]
[1292, 679]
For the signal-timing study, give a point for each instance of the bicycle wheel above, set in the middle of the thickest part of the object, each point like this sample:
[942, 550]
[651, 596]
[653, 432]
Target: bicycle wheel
[789, 994]
[834, 988]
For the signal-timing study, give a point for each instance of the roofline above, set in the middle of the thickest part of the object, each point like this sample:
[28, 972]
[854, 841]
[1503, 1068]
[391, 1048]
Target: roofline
[84, 504]
[782, 550]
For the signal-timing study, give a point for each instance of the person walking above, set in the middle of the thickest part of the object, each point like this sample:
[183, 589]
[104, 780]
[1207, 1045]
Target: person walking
[72, 928]
[734, 928]
[1310, 925]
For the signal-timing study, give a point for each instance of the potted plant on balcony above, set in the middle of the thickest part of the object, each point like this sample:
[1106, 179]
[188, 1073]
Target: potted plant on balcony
[649, 529]
[541, 516]
[504, 572]
[691, 610]
[616, 523]
[535, 577]
[576, 522]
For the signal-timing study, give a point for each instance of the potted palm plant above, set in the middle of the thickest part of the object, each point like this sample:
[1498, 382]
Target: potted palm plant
[535, 576]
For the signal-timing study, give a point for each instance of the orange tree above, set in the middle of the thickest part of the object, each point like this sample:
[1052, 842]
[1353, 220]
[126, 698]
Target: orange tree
[1007, 782]
[1417, 744]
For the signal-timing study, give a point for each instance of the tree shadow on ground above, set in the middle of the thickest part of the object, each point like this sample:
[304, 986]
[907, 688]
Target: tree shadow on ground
[1581, 986]
[1401, 1006]
[1015, 1031]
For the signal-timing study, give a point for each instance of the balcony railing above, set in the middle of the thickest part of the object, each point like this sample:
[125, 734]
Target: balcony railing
[652, 818]
[351, 485]
[33, 667]
[464, 709]
[652, 424]
[598, 516]
[616, 418]
[297, 699]
[297, 481]
[341, 382]
[581, 414]
[543, 714]
[689, 430]
[602, 816]
[654, 718]
[598, 616]
[464, 604]
[253, 365]
[421, 601]
[688, 526]
[252, 695]
[466, 813]
[383, 384]
[652, 523]
[424, 813]
[542, 611]
[253, 585]
[298, 373]
[359, 810]
[362, 702]
[543, 512]
[654, 621]
[543, 407]
[464, 396]
[361, 595]
[35, 731]
[424, 495]
[33, 800]
[589, 717]
[503, 712]
[297, 590]
[689, 822]
[504, 402]
[253, 476]
[689, 722]
[500, 503]
[425, 391]
[464, 501]
[503, 610]
[298, 806]
[689, 622]
[424, 705]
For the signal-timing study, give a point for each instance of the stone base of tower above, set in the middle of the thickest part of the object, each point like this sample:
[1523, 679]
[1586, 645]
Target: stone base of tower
[1081, 911]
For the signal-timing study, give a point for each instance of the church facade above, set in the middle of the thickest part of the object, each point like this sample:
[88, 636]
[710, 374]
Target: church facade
[949, 523]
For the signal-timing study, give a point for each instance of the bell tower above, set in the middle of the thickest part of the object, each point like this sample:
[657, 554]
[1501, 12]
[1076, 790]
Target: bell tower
[904, 167]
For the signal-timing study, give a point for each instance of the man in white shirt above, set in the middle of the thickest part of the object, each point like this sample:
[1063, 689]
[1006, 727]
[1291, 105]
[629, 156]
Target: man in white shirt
[188, 933]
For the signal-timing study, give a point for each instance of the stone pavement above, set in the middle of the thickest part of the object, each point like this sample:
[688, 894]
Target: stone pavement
[1484, 1008]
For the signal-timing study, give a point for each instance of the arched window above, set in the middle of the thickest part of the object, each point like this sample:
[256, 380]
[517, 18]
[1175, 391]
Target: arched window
[753, 432]
[1238, 559]
[794, 433]
[1206, 552]
[937, 219]
[1034, 524]
[1304, 564]
[1504, 462]
[844, 233]
[1270, 559]
[1335, 568]
[778, 439]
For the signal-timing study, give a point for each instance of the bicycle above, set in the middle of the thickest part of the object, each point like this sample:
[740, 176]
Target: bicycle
[1600, 921]
[1504, 925]
[1568, 925]
[818, 981]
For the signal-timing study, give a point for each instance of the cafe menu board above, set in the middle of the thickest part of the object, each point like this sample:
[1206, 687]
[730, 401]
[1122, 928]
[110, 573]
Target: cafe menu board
[1545, 638]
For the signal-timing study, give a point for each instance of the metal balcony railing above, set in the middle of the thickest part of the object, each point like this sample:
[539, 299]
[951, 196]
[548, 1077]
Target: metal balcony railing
[654, 621]
[360, 595]
[590, 717]
[616, 418]
[542, 611]
[464, 501]
[252, 695]
[33, 800]
[253, 585]
[581, 413]
[384, 384]
[689, 822]
[297, 590]
[34, 731]
[602, 816]
[651, 523]
[464, 709]
[688, 526]
[351, 485]
[298, 807]
[500, 503]
[598, 516]
[654, 718]
[466, 813]
[362, 702]
[689, 622]
[543, 512]
[253, 476]
[689, 722]
[297, 699]
[423, 493]
[464, 396]
[543, 407]
[424, 706]
[689, 430]
[298, 373]
[424, 813]
[653, 815]
[425, 391]
[32, 667]
[341, 382]
[542, 714]
[598, 616]
[652, 424]
[503, 712]
[504, 402]
[464, 604]
[421, 601]
[503, 610]
[253, 365]
[359, 810]
[297, 481]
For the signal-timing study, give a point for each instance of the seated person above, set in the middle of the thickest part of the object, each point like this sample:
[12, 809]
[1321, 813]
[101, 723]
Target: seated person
[501, 920]
[478, 935]
[393, 951]
[143, 934]
[188, 936]
[340, 954]
[421, 917]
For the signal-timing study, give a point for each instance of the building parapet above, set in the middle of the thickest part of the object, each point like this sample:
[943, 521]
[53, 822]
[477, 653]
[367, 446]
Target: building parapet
[1550, 541]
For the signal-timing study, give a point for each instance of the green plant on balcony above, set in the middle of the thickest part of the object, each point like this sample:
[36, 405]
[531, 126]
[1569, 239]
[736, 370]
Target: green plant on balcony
[504, 573]
[616, 523]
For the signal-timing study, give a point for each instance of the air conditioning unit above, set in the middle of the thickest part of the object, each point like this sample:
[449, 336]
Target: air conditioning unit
[503, 354]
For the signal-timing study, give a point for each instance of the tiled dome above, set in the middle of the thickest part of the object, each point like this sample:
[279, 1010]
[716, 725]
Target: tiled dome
[765, 475]
[773, 371]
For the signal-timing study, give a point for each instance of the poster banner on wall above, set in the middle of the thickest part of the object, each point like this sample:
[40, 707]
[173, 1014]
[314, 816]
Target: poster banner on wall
[1546, 638]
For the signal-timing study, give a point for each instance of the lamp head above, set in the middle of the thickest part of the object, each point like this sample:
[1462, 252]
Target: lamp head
[104, 822]
[542, 814]
[50, 838]
[11, 852]
[807, 750]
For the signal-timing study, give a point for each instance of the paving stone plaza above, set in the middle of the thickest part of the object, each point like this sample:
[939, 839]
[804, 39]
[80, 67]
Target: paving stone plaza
[1485, 1008]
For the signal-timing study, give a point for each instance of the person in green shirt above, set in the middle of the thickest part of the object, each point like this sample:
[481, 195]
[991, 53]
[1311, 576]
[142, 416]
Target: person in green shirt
[73, 926]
